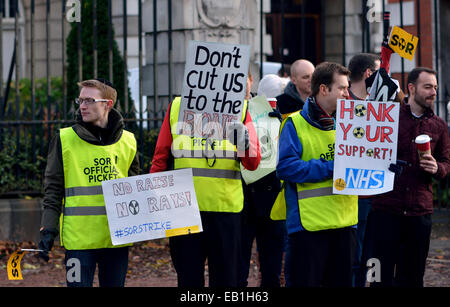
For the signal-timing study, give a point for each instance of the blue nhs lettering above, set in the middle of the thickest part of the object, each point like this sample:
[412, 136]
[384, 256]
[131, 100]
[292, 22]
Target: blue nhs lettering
[364, 178]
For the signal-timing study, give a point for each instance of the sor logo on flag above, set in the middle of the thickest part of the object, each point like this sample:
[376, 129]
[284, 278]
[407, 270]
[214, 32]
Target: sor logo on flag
[364, 178]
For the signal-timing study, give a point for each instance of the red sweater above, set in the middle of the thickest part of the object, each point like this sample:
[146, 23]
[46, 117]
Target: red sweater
[250, 158]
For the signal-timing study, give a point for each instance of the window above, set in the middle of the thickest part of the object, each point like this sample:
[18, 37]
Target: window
[8, 8]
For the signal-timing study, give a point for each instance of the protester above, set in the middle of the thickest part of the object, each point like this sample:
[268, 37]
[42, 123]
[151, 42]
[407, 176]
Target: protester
[218, 187]
[259, 197]
[320, 225]
[284, 71]
[73, 187]
[401, 219]
[361, 67]
[298, 90]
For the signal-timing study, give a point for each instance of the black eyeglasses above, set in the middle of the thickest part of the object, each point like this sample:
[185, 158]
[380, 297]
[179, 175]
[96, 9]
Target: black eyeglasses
[89, 101]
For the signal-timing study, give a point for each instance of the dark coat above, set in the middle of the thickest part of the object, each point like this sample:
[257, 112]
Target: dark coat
[413, 193]
[290, 101]
[54, 173]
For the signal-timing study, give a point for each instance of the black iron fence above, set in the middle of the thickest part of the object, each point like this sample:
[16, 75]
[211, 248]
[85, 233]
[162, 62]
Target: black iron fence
[32, 109]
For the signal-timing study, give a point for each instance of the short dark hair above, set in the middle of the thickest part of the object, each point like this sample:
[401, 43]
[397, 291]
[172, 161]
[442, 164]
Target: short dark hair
[414, 74]
[284, 69]
[324, 74]
[359, 64]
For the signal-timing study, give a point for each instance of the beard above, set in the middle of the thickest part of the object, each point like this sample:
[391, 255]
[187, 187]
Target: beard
[425, 102]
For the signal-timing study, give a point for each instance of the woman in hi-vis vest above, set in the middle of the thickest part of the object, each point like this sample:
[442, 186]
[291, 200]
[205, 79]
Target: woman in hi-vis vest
[80, 157]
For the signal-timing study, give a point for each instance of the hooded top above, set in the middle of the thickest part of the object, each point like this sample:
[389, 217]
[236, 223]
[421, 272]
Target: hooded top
[290, 101]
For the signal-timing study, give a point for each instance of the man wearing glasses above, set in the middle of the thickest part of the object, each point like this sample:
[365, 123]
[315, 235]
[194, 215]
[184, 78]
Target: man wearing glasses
[80, 157]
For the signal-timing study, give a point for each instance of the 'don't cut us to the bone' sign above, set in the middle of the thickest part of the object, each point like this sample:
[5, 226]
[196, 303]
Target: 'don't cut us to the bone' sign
[213, 93]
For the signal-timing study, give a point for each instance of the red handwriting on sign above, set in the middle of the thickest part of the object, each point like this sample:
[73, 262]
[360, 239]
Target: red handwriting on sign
[381, 134]
[382, 114]
[354, 151]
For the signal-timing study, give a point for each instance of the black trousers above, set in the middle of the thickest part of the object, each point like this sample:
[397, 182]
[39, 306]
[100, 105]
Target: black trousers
[321, 258]
[219, 242]
[401, 244]
[270, 240]
[112, 267]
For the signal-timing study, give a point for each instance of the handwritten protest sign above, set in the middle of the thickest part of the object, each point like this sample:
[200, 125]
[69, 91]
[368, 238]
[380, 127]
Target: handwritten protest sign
[267, 129]
[213, 92]
[403, 43]
[365, 146]
[151, 206]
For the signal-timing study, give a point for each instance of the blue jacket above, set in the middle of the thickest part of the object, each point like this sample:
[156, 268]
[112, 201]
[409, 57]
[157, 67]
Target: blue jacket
[292, 169]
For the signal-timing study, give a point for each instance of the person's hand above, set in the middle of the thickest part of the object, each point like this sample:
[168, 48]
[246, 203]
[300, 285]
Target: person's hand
[429, 164]
[46, 243]
[385, 44]
[397, 167]
[237, 134]
[276, 114]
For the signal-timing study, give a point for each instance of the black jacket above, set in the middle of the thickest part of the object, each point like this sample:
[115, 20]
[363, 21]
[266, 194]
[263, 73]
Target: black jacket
[54, 173]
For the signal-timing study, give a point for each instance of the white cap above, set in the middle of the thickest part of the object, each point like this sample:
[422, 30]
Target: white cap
[272, 85]
[422, 139]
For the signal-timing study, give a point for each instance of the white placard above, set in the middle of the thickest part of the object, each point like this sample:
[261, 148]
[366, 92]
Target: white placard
[215, 79]
[151, 206]
[365, 146]
[267, 128]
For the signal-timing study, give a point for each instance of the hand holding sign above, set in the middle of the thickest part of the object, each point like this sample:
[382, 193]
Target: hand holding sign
[403, 43]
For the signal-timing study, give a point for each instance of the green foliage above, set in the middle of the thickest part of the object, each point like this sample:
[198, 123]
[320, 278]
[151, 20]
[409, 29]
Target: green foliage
[87, 30]
[18, 171]
[40, 95]
[441, 192]
[148, 149]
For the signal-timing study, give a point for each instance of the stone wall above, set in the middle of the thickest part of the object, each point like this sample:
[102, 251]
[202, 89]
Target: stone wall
[20, 219]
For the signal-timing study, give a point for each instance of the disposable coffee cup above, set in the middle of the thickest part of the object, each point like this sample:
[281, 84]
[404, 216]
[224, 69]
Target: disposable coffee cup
[272, 102]
[423, 145]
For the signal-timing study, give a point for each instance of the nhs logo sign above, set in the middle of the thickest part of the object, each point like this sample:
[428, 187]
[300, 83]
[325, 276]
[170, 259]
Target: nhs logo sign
[363, 178]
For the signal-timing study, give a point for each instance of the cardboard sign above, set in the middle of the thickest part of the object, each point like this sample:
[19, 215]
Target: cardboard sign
[151, 206]
[403, 43]
[381, 87]
[215, 79]
[365, 146]
[267, 129]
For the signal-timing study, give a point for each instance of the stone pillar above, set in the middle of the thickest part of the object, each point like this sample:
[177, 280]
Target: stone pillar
[225, 21]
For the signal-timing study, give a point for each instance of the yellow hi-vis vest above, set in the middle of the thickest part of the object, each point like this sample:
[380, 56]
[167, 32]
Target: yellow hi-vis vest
[319, 208]
[215, 167]
[84, 224]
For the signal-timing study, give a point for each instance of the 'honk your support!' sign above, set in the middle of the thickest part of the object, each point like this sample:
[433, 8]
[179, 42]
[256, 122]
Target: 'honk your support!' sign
[151, 206]
[365, 146]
